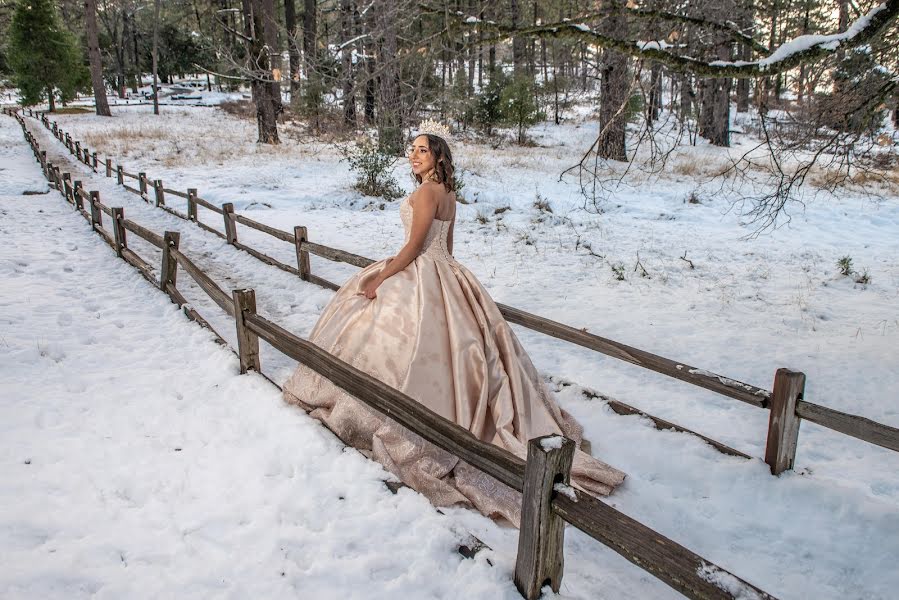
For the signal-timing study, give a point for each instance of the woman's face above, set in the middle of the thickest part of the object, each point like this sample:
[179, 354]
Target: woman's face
[420, 157]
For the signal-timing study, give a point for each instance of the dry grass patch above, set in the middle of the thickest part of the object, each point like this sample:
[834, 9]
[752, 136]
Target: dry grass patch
[882, 181]
[72, 110]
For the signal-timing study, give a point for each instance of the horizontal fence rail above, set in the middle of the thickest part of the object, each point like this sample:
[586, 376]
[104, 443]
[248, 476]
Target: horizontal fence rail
[144, 233]
[206, 283]
[717, 383]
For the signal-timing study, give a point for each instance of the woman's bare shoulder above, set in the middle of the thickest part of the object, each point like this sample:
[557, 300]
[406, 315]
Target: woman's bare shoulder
[432, 191]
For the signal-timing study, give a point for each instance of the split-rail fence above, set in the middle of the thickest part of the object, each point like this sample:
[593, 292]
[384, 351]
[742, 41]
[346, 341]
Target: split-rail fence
[548, 500]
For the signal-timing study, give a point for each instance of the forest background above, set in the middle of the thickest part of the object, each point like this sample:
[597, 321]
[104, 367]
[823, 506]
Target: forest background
[816, 79]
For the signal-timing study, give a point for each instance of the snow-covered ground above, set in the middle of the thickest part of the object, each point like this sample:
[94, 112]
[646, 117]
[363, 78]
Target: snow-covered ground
[829, 529]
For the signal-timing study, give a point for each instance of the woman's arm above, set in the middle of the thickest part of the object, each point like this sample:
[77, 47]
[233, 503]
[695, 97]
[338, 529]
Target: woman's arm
[424, 209]
[449, 237]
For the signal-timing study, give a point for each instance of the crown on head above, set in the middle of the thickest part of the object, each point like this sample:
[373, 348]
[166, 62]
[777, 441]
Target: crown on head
[433, 127]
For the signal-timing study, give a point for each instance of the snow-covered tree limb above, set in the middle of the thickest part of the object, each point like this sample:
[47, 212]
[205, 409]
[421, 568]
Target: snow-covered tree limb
[801, 50]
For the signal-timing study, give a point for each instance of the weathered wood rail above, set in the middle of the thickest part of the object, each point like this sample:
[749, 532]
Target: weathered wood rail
[785, 402]
[547, 500]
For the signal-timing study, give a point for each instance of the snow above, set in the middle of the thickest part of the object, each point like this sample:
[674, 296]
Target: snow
[552, 443]
[114, 482]
[727, 582]
[565, 490]
[804, 42]
[655, 45]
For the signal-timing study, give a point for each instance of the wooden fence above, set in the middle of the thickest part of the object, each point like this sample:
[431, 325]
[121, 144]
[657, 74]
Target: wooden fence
[547, 499]
[785, 401]
[540, 542]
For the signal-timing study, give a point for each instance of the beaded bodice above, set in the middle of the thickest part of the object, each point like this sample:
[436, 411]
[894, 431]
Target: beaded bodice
[436, 243]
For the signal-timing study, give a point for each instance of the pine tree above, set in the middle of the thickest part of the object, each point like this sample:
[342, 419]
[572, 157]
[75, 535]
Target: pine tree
[45, 59]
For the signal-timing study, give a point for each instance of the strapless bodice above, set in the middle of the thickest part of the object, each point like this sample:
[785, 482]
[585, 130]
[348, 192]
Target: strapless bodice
[436, 244]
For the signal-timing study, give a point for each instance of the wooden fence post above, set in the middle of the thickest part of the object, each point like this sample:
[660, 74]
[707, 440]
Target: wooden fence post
[142, 185]
[68, 142]
[77, 151]
[192, 204]
[300, 235]
[44, 162]
[230, 223]
[55, 129]
[67, 186]
[783, 422]
[94, 161]
[247, 341]
[109, 167]
[76, 197]
[118, 230]
[57, 177]
[169, 273]
[96, 213]
[160, 192]
[120, 173]
[542, 535]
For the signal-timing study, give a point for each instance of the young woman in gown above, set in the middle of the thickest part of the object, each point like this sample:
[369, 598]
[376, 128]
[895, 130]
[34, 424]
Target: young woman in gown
[423, 324]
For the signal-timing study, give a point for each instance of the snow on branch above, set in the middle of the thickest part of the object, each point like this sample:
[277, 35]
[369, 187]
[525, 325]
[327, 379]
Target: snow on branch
[801, 50]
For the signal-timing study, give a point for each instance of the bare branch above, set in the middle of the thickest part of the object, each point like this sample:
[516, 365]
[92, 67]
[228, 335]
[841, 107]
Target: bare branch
[801, 50]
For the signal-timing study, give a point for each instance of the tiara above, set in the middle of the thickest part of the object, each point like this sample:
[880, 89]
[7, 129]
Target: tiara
[432, 127]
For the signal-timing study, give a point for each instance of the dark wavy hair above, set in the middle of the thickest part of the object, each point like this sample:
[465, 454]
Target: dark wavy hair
[443, 159]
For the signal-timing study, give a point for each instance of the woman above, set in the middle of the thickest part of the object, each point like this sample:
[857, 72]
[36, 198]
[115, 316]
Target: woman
[423, 324]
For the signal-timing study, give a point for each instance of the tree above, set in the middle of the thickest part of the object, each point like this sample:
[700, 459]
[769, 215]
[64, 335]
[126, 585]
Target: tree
[45, 59]
[93, 50]
[615, 90]
[293, 49]
[156, 57]
[259, 69]
[518, 105]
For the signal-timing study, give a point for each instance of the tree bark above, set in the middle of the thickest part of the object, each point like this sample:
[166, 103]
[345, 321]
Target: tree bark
[310, 32]
[260, 74]
[156, 4]
[293, 49]
[518, 42]
[613, 94]
[93, 51]
[655, 93]
[390, 117]
[270, 37]
[349, 94]
[135, 55]
[714, 97]
[746, 12]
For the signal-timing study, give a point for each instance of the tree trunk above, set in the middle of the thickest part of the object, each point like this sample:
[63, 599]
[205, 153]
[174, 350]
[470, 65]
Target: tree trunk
[767, 84]
[346, 32]
[51, 101]
[156, 57]
[518, 42]
[260, 73]
[270, 37]
[746, 13]
[135, 55]
[389, 118]
[93, 51]
[613, 95]
[293, 49]
[310, 31]
[714, 112]
[655, 93]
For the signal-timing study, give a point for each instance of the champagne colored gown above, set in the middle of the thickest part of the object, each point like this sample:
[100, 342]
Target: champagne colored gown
[434, 333]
